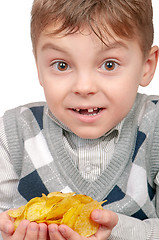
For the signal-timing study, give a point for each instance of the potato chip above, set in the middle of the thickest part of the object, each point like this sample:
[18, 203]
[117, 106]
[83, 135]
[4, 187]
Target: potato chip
[52, 201]
[60, 194]
[58, 222]
[16, 212]
[35, 209]
[70, 216]
[84, 225]
[60, 208]
[83, 198]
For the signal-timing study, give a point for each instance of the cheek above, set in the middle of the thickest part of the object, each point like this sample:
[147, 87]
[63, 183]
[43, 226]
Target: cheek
[124, 95]
[127, 94]
[55, 96]
[52, 96]
[129, 83]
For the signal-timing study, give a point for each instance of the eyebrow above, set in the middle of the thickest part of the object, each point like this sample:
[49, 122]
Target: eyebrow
[105, 47]
[53, 47]
[115, 44]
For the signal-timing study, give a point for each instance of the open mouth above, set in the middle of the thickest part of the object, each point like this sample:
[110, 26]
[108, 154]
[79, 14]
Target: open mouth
[90, 111]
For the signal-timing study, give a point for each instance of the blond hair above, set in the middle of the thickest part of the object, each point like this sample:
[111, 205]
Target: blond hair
[128, 19]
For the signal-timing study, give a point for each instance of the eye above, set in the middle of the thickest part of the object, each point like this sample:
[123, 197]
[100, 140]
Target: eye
[60, 66]
[109, 65]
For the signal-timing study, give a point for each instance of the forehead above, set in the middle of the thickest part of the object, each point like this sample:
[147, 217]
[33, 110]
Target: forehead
[84, 38]
[106, 39]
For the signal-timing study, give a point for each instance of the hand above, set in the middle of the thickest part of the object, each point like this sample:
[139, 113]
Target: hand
[107, 220]
[25, 230]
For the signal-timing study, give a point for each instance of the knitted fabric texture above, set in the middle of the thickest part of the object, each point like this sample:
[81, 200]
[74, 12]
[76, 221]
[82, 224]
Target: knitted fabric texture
[43, 165]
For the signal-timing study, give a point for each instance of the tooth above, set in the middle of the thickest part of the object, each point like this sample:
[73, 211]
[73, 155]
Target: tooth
[95, 109]
[77, 109]
[90, 110]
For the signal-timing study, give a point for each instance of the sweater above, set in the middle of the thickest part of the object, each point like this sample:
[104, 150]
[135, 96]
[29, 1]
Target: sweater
[129, 183]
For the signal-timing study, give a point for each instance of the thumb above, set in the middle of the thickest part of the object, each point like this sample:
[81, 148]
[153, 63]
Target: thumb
[105, 217]
[6, 225]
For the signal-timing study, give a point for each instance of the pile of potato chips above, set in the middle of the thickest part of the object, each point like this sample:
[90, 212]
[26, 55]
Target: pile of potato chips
[60, 208]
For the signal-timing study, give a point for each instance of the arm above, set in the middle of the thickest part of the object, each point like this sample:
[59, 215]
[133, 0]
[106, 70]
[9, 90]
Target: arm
[8, 185]
[129, 228]
[8, 177]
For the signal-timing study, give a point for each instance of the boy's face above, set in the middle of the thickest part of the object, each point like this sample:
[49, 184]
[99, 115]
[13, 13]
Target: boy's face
[89, 86]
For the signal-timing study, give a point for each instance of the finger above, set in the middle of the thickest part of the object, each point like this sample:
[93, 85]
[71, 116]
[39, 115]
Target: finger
[6, 224]
[102, 233]
[32, 231]
[7, 227]
[105, 217]
[54, 233]
[21, 230]
[68, 233]
[42, 231]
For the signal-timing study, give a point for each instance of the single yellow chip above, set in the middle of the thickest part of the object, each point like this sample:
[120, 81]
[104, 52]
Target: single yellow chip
[35, 209]
[83, 198]
[60, 194]
[16, 212]
[84, 225]
[60, 208]
[48, 222]
[71, 215]
[52, 201]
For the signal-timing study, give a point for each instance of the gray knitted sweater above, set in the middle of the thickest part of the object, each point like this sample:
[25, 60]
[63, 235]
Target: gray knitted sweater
[130, 183]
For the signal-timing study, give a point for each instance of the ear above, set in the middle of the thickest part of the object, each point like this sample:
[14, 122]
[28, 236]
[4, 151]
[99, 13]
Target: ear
[150, 66]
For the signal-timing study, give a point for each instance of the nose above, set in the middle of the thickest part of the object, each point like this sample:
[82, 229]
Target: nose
[84, 84]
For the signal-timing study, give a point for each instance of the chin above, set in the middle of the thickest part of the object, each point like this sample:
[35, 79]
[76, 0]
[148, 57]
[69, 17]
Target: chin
[89, 135]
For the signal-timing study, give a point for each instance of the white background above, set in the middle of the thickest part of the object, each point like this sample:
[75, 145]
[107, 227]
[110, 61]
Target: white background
[18, 77]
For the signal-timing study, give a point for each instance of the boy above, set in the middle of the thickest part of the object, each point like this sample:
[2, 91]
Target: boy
[96, 135]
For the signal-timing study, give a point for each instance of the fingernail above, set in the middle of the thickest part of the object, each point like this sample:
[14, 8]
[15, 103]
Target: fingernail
[43, 228]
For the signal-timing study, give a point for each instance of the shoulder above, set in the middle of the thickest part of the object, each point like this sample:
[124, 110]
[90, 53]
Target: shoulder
[147, 114]
[30, 106]
[148, 100]
[148, 109]
[20, 124]
[148, 123]
[13, 116]
[25, 118]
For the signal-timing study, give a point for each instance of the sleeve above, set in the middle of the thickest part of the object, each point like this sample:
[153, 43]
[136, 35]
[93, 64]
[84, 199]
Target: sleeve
[129, 228]
[8, 177]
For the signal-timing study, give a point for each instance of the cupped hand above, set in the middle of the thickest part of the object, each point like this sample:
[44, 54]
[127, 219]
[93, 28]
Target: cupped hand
[33, 231]
[25, 231]
[107, 220]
